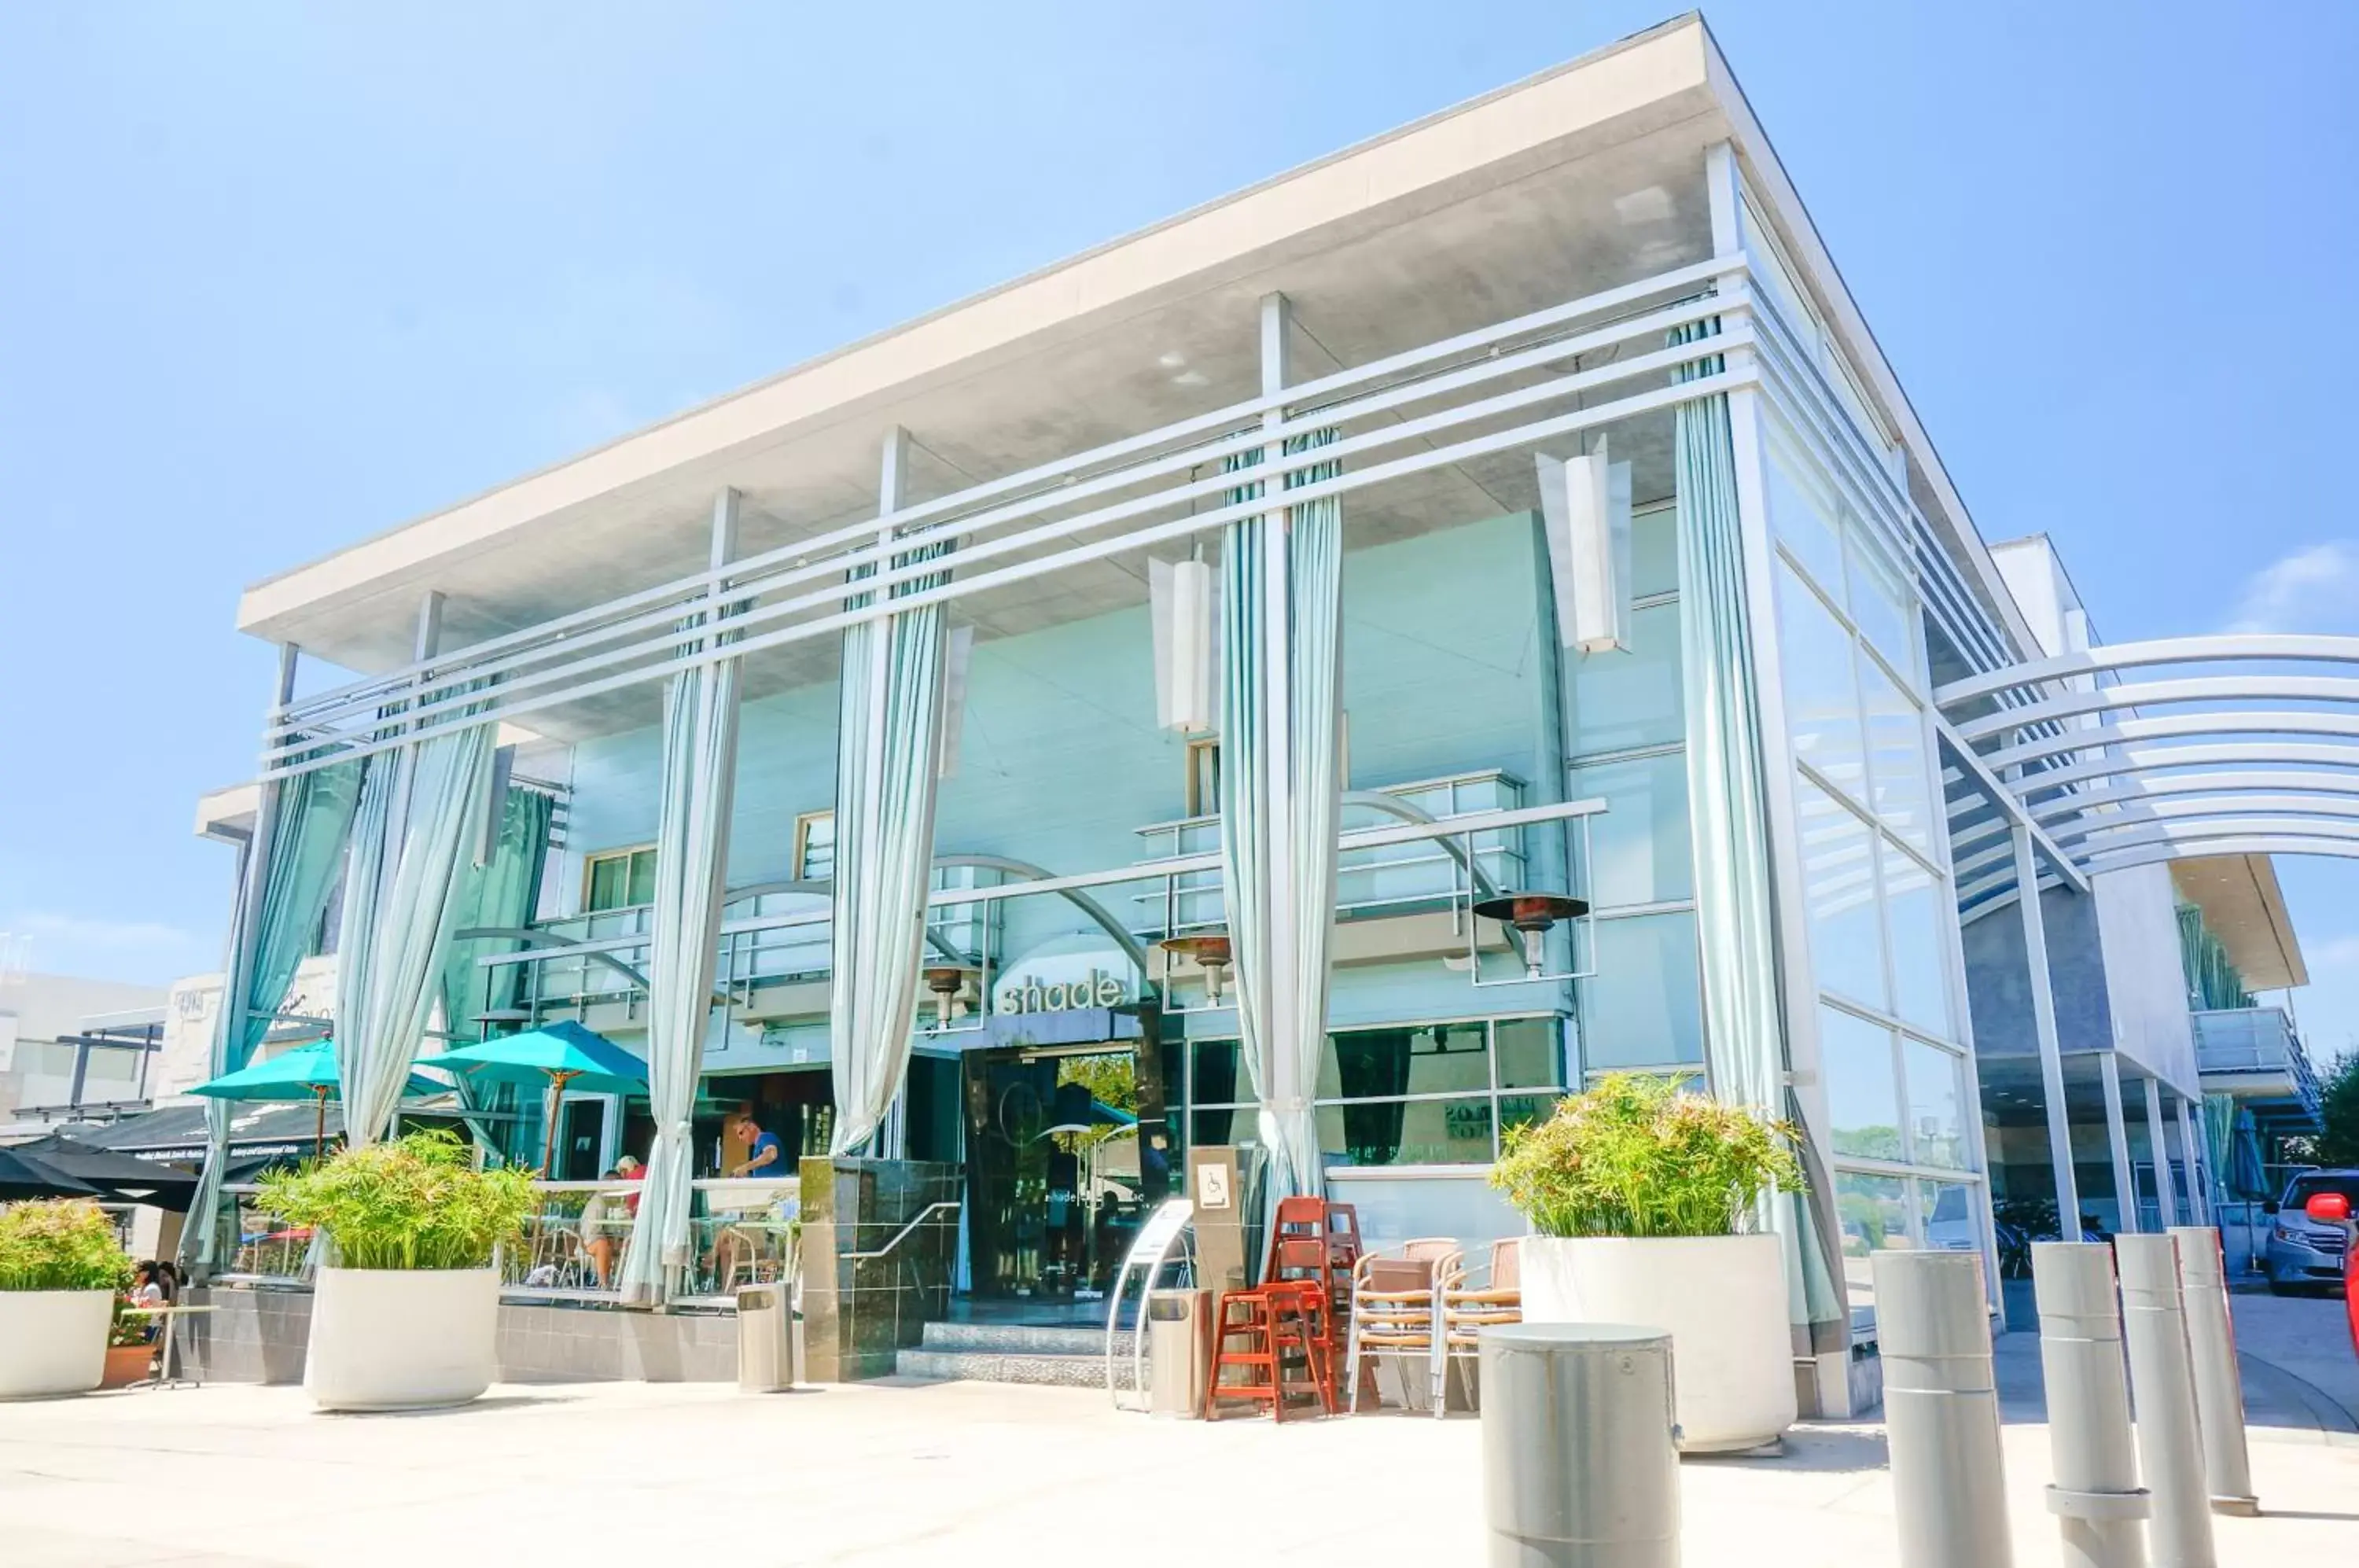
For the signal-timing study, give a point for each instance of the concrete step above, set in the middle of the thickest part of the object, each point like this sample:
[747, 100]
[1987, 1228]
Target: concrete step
[1068, 1371]
[1023, 1339]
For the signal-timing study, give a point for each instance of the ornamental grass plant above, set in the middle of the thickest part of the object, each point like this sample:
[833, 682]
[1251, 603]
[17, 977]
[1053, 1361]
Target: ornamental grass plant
[416, 1202]
[1639, 1156]
[63, 1244]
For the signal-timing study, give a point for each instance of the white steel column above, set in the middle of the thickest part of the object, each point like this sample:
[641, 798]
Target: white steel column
[1276, 668]
[2199, 1198]
[2157, 1143]
[2043, 1017]
[2117, 1144]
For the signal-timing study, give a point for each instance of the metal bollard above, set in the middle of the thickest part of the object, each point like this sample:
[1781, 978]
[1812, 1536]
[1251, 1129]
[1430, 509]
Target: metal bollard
[1940, 1410]
[1580, 1464]
[2163, 1385]
[2219, 1390]
[2097, 1498]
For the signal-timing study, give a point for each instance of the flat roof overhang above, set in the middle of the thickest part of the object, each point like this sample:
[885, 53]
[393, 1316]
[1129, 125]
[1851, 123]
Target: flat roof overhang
[1583, 178]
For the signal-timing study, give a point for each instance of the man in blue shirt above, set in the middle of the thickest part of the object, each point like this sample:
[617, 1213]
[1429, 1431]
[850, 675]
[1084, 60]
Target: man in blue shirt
[766, 1156]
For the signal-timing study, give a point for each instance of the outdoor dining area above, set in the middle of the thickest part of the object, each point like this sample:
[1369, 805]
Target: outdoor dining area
[743, 1229]
[1328, 1318]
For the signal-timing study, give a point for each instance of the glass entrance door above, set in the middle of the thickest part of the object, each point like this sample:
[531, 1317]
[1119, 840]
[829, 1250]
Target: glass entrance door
[1054, 1186]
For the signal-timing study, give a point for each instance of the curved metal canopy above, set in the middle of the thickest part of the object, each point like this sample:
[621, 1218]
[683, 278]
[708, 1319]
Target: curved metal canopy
[2181, 763]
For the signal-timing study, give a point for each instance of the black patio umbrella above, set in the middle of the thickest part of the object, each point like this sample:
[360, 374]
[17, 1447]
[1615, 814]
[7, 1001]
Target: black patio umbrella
[22, 1177]
[118, 1176]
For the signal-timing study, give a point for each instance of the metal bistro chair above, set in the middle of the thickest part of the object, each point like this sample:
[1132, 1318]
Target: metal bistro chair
[1396, 1308]
[1468, 1306]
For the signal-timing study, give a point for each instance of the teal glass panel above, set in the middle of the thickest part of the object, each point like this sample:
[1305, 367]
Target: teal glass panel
[1639, 849]
[1642, 1007]
[1523, 1110]
[1863, 1097]
[1821, 689]
[1408, 1132]
[1900, 784]
[1436, 1059]
[1937, 1128]
[1530, 1052]
[1654, 553]
[1806, 517]
[1839, 895]
[1951, 1213]
[1874, 1214]
[1881, 602]
[1629, 697]
[1914, 909]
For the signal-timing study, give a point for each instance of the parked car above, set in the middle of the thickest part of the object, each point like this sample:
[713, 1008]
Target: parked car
[2303, 1254]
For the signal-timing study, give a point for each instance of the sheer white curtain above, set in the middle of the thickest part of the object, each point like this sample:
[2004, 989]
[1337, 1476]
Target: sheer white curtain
[419, 807]
[887, 748]
[1281, 1037]
[700, 765]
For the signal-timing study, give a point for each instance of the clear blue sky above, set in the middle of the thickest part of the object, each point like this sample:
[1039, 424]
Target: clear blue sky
[275, 276]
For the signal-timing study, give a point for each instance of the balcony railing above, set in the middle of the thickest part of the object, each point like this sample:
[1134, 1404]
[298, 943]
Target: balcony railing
[740, 1233]
[2253, 1040]
[1389, 878]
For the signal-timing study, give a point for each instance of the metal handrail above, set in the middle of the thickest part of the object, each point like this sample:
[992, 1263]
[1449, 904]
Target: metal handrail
[903, 1233]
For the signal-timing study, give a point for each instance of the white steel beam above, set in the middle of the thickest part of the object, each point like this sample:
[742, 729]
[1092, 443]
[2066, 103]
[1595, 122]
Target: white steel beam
[2117, 1145]
[2052, 1055]
[2157, 1143]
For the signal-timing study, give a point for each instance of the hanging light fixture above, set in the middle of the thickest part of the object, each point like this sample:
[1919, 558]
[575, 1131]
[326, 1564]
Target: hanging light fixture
[1533, 914]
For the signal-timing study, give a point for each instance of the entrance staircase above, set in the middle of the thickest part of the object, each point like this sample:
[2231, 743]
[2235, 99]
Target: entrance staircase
[1066, 1355]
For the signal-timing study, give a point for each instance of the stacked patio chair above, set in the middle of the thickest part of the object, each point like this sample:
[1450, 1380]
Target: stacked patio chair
[1396, 1307]
[1471, 1299]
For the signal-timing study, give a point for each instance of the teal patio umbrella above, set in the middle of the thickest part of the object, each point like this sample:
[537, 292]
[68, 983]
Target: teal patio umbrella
[562, 1053]
[307, 1073]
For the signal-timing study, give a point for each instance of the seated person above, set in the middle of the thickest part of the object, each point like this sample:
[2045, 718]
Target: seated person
[605, 1222]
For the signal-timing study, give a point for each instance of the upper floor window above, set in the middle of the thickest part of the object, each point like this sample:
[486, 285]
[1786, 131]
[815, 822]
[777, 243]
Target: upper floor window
[619, 879]
[815, 846]
[1204, 792]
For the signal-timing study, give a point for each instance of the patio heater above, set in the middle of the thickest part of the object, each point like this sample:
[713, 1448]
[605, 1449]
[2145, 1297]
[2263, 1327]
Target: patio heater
[1208, 951]
[1533, 914]
[946, 981]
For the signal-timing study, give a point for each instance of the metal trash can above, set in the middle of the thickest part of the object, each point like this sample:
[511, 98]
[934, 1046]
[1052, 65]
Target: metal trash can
[1581, 1461]
[765, 1340]
[1179, 1351]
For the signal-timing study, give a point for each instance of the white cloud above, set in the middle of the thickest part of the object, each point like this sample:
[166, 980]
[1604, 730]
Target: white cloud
[2315, 588]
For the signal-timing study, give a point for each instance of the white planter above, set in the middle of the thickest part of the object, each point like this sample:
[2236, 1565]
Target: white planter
[1722, 1299]
[401, 1339]
[53, 1341]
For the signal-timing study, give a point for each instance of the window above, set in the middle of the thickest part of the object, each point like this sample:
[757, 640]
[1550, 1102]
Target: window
[1203, 784]
[619, 879]
[815, 846]
[1438, 1094]
[1863, 1101]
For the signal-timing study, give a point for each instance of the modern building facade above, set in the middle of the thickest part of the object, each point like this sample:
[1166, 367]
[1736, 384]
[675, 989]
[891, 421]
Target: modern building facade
[1086, 721]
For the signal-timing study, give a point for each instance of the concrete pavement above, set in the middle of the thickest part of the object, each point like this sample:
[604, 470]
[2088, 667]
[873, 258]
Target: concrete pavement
[955, 1474]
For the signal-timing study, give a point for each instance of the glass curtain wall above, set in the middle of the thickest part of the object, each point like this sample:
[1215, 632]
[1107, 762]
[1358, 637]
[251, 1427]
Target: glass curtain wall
[1877, 901]
[1413, 1093]
[1625, 743]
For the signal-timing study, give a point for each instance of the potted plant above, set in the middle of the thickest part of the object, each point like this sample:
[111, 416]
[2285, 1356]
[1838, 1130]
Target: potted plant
[60, 1268]
[130, 1353]
[405, 1311]
[1642, 1197]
